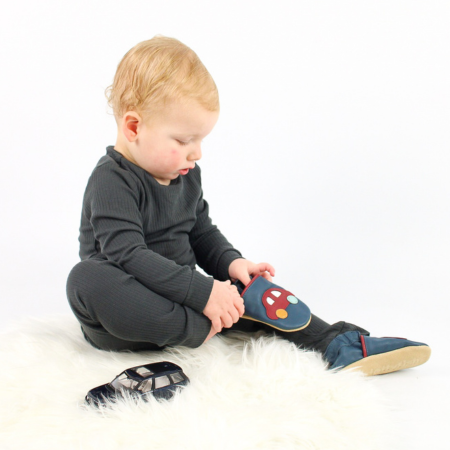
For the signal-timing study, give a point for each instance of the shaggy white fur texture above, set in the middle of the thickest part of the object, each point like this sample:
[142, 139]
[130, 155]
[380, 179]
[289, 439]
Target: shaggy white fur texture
[246, 392]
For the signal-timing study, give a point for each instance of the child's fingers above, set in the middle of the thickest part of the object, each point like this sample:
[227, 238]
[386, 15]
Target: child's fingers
[235, 314]
[244, 278]
[227, 320]
[267, 276]
[239, 305]
[217, 324]
[266, 267]
[269, 268]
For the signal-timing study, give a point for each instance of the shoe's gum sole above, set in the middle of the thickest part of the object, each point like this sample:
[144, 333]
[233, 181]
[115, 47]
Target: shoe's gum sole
[403, 358]
[273, 326]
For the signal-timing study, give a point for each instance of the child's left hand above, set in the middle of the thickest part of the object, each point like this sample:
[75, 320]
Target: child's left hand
[241, 269]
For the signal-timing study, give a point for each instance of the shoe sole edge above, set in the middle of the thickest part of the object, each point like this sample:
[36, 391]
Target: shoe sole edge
[273, 326]
[402, 358]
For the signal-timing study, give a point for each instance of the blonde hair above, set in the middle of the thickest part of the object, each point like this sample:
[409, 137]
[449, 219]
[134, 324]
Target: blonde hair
[158, 71]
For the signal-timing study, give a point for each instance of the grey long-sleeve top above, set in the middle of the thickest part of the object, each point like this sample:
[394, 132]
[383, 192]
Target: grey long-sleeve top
[156, 233]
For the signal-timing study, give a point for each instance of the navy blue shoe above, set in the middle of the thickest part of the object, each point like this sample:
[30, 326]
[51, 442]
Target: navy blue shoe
[271, 304]
[375, 356]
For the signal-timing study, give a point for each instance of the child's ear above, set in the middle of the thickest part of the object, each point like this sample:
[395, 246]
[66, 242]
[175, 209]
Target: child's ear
[130, 125]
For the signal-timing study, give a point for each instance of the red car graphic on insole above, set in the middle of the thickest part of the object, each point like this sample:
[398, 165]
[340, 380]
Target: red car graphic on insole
[276, 301]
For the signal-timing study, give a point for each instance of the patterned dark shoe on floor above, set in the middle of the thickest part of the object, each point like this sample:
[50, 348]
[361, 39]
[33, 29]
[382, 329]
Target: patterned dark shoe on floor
[271, 304]
[375, 356]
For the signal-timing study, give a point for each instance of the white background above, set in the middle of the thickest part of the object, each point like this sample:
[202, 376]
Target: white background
[330, 159]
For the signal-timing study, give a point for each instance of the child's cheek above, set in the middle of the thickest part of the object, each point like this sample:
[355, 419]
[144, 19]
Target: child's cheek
[175, 156]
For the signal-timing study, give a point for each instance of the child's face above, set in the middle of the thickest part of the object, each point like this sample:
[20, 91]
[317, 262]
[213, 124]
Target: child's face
[169, 144]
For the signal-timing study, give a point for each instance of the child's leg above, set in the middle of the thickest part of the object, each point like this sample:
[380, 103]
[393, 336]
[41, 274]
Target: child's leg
[116, 312]
[344, 345]
[319, 334]
[316, 336]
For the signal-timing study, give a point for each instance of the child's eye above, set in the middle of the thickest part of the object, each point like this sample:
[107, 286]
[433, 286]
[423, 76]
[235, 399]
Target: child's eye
[182, 143]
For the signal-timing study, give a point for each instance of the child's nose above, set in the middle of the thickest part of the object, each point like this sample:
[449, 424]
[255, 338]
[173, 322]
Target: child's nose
[196, 154]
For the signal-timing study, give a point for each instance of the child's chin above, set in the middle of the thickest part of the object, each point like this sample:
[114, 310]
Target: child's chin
[165, 181]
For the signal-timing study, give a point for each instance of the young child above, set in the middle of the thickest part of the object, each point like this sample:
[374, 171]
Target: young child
[145, 225]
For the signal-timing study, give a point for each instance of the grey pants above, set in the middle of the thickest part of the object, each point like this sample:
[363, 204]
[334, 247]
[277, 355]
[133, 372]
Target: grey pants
[118, 313]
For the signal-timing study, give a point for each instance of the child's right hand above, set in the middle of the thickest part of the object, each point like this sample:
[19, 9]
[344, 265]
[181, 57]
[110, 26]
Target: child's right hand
[224, 306]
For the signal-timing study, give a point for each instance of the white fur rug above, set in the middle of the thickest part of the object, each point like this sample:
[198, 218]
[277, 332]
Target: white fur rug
[246, 392]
